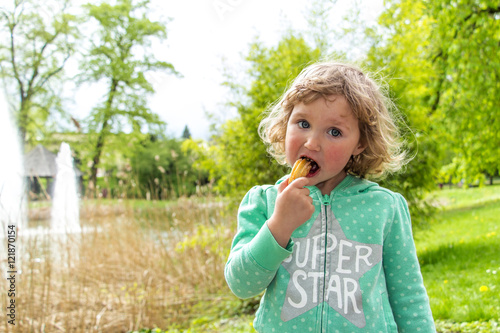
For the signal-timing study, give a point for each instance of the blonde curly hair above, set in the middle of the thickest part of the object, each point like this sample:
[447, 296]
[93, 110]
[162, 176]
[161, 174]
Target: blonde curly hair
[368, 102]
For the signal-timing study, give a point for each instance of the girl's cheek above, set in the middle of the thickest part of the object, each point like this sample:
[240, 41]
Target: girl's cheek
[291, 147]
[291, 143]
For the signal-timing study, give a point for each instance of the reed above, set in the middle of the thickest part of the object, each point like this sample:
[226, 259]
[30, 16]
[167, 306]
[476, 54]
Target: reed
[136, 265]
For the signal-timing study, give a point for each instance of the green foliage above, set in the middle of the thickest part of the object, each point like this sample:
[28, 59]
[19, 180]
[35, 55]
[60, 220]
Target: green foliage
[443, 55]
[240, 155]
[206, 239]
[201, 156]
[163, 169]
[448, 326]
[417, 179]
[36, 41]
[397, 54]
[119, 56]
[134, 165]
[465, 53]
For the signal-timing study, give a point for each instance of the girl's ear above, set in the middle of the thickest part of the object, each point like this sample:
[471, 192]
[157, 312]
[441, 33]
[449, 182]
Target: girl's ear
[360, 148]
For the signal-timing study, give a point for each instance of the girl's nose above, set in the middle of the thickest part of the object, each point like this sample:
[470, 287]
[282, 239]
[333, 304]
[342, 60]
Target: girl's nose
[312, 143]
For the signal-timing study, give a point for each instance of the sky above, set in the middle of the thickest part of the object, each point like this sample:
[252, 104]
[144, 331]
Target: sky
[200, 33]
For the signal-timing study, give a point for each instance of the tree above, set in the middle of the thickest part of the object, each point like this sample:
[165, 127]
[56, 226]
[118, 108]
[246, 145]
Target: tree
[186, 134]
[119, 55]
[465, 52]
[446, 56]
[162, 168]
[240, 154]
[398, 54]
[37, 41]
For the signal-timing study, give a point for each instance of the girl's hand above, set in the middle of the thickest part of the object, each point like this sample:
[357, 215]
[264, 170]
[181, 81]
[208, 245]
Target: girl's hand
[293, 208]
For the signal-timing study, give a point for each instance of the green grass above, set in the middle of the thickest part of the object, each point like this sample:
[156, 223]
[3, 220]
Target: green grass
[454, 198]
[460, 255]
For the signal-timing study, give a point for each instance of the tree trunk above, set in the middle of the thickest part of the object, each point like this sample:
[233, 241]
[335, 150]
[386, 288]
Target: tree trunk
[96, 159]
[101, 140]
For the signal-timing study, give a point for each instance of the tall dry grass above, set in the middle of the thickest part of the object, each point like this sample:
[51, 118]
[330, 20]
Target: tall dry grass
[133, 267]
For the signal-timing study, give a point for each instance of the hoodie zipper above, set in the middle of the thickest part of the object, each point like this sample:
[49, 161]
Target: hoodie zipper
[325, 202]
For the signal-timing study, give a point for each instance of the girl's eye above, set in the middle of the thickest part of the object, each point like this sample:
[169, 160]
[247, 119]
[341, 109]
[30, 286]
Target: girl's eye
[303, 124]
[334, 132]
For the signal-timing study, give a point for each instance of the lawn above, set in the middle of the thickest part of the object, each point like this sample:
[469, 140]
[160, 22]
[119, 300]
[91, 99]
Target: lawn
[459, 256]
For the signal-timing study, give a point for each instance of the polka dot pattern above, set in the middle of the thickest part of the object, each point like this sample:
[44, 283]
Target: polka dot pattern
[367, 214]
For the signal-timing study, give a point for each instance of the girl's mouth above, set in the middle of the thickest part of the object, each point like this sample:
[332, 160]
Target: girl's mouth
[314, 166]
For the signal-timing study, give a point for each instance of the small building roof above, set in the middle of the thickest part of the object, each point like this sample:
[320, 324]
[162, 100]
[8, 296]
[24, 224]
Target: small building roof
[41, 162]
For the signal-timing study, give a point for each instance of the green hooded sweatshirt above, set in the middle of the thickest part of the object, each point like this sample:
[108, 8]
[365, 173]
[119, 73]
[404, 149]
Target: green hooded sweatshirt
[352, 267]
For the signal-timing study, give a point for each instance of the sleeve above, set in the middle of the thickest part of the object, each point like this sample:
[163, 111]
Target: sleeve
[255, 255]
[406, 290]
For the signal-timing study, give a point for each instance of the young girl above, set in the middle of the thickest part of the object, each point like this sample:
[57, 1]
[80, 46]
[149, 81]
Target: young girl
[334, 252]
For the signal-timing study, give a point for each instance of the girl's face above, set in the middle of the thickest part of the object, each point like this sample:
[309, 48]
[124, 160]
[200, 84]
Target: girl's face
[327, 132]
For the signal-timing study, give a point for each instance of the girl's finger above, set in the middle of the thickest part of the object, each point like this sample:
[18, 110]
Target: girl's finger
[300, 182]
[282, 186]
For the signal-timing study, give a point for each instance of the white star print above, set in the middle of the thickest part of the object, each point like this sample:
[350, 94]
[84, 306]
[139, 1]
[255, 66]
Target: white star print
[325, 268]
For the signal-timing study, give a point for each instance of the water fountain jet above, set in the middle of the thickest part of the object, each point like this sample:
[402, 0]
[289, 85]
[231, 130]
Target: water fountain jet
[12, 195]
[65, 204]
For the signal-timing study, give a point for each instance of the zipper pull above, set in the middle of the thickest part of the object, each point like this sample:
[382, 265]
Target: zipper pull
[326, 200]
